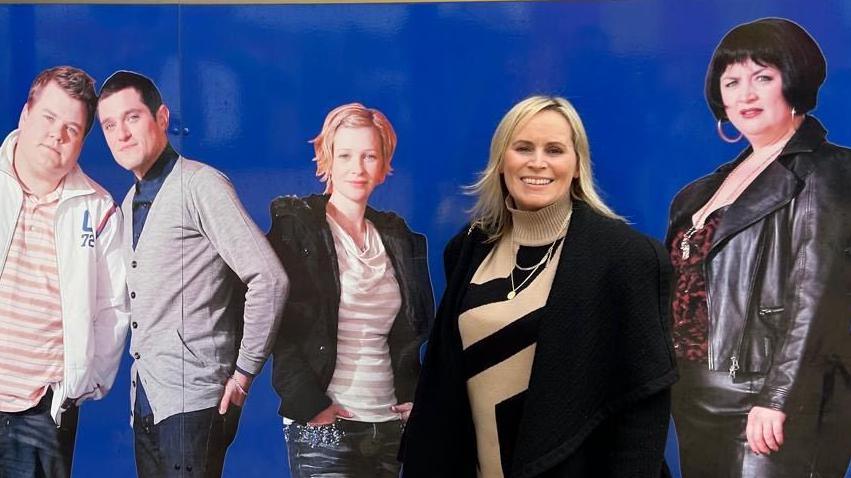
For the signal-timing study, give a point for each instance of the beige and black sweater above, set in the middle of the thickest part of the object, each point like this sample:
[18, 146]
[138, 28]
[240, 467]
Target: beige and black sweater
[499, 334]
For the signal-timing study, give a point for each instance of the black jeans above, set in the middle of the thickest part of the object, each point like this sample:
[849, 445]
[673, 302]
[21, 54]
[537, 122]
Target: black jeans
[31, 445]
[184, 445]
[346, 449]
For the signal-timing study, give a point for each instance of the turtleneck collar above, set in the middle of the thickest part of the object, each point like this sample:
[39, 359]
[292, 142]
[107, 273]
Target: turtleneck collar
[537, 228]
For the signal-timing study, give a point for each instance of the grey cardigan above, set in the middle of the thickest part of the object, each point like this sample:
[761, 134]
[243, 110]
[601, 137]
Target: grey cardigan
[197, 246]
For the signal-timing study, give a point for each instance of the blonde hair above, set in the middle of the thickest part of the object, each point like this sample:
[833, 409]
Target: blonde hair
[352, 115]
[490, 212]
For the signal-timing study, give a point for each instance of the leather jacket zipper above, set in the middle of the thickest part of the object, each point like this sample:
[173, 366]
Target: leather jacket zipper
[766, 311]
[734, 366]
[710, 359]
[734, 359]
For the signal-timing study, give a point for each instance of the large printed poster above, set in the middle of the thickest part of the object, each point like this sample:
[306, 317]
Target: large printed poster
[279, 98]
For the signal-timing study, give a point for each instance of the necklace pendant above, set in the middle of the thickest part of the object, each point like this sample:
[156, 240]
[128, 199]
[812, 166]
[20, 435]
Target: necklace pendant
[511, 294]
[684, 247]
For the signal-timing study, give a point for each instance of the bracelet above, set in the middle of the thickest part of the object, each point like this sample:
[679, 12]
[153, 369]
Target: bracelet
[238, 385]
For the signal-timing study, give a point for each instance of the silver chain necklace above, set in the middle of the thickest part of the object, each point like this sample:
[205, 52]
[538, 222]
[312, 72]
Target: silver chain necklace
[545, 261]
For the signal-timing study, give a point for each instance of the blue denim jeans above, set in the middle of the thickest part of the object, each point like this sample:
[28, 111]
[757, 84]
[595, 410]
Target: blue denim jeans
[345, 449]
[191, 444]
[31, 445]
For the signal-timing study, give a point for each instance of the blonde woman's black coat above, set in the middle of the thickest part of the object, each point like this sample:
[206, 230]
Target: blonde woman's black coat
[599, 394]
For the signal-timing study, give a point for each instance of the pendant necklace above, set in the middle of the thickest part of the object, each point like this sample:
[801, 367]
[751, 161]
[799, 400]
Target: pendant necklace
[545, 261]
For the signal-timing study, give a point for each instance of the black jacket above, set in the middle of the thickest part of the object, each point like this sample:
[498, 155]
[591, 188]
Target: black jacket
[305, 353]
[598, 398]
[778, 274]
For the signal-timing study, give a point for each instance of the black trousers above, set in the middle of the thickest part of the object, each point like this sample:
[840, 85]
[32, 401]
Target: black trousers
[711, 411]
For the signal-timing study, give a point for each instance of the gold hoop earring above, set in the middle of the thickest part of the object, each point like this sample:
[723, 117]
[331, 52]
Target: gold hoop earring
[719, 128]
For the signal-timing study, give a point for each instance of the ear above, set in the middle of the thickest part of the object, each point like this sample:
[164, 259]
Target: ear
[384, 172]
[25, 112]
[162, 116]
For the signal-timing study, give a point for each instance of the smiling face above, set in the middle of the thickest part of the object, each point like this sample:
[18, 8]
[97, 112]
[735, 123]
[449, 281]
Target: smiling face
[357, 166]
[753, 100]
[540, 162]
[52, 129]
[135, 137]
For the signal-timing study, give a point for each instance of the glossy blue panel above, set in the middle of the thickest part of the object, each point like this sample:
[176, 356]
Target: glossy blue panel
[252, 84]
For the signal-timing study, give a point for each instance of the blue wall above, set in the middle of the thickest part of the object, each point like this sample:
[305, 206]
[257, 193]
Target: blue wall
[248, 86]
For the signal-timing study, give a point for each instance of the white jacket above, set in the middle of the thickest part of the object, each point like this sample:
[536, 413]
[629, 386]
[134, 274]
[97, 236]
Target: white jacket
[92, 288]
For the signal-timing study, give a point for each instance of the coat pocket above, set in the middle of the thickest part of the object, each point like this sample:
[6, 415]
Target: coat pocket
[765, 334]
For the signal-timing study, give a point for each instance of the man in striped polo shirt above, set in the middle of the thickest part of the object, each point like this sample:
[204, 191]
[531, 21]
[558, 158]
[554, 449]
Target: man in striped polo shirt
[63, 307]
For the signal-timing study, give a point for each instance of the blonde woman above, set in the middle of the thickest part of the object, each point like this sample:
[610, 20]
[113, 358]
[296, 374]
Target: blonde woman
[346, 360]
[549, 355]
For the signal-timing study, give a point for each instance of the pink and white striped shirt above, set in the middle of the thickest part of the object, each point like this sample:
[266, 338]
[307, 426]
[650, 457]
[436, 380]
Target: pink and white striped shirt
[31, 331]
[369, 302]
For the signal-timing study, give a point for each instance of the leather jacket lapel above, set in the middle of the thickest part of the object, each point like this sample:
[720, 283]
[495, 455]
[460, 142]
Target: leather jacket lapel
[771, 190]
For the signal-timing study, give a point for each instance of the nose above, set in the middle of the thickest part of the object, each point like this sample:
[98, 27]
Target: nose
[537, 161]
[123, 131]
[56, 132]
[358, 166]
[749, 92]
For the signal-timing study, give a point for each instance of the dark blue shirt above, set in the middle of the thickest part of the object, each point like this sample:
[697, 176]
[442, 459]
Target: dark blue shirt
[148, 187]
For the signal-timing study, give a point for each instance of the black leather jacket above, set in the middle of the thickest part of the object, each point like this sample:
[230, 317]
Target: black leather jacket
[778, 274]
[305, 353]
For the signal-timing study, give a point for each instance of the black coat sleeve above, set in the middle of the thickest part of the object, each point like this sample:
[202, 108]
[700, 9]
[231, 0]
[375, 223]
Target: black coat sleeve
[817, 307]
[636, 434]
[302, 396]
[441, 409]
[425, 307]
[406, 340]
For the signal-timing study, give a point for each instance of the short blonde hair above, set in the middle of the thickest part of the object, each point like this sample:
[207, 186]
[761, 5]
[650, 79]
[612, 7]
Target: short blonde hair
[352, 115]
[490, 212]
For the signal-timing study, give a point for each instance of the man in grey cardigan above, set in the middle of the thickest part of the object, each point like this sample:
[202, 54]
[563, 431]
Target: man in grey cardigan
[196, 348]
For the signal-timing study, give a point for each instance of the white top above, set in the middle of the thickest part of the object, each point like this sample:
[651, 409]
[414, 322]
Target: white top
[369, 302]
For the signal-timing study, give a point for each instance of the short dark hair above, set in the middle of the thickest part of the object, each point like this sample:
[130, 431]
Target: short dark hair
[75, 82]
[777, 42]
[123, 79]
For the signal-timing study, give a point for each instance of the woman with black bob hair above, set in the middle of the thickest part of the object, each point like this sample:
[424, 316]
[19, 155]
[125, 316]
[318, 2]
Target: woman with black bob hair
[762, 289]
[550, 355]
